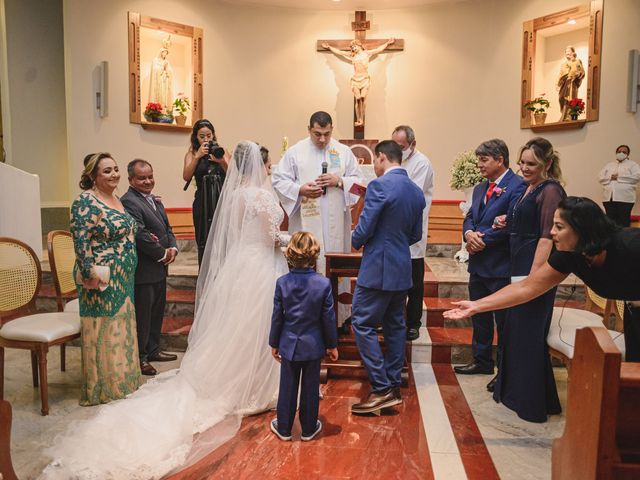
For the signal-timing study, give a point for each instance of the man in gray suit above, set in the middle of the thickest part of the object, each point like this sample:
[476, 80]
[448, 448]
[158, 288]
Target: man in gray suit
[157, 248]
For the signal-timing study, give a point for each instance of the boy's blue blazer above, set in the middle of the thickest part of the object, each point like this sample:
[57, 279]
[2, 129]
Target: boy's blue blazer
[303, 324]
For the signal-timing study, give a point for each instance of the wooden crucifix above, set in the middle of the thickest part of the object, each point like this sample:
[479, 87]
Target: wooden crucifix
[359, 51]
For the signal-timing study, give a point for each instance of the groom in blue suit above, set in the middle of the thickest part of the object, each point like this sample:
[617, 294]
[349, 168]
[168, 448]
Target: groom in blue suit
[489, 260]
[390, 222]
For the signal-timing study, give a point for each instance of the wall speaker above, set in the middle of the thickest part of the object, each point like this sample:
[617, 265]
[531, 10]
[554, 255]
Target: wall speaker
[633, 92]
[102, 89]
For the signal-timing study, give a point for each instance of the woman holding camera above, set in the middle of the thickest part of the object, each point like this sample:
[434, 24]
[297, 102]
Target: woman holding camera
[208, 163]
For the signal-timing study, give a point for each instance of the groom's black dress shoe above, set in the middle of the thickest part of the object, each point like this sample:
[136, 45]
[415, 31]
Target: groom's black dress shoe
[491, 386]
[473, 369]
[163, 357]
[412, 334]
[147, 369]
[376, 402]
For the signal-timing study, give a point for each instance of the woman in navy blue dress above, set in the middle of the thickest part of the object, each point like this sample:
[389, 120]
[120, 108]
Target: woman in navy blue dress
[525, 377]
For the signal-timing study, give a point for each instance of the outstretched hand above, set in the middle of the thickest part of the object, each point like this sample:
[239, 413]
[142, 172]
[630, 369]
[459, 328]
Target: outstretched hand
[466, 308]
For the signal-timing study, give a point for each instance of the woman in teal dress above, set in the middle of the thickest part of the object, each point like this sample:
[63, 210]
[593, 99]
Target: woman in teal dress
[104, 236]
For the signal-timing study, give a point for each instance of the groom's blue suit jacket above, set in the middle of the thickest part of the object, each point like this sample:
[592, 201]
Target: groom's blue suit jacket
[303, 324]
[390, 222]
[494, 261]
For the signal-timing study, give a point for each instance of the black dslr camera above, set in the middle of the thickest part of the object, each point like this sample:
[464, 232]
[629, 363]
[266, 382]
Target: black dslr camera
[215, 150]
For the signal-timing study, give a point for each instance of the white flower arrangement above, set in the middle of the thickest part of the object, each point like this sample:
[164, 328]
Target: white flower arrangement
[465, 172]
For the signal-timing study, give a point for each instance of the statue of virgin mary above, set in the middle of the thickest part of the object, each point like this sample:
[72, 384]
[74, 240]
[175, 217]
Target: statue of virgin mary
[161, 86]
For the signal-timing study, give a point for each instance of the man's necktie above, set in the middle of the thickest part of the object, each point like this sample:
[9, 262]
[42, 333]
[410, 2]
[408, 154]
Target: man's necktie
[151, 201]
[492, 187]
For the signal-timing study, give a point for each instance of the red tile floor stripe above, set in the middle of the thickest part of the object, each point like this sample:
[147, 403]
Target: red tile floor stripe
[476, 459]
[392, 446]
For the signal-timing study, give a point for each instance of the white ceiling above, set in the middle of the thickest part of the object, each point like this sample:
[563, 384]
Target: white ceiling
[341, 5]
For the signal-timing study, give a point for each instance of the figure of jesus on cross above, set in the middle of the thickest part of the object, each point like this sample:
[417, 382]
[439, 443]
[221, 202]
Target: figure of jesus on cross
[359, 52]
[360, 81]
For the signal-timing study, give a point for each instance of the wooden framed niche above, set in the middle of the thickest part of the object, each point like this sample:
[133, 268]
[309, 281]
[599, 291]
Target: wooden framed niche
[165, 61]
[545, 44]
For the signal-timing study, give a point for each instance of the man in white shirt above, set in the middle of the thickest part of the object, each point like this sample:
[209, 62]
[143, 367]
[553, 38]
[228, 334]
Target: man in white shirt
[619, 180]
[419, 169]
[313, 180]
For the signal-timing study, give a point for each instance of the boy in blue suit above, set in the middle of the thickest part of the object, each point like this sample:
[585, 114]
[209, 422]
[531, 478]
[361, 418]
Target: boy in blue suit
[489, 260]
[390, 222]
[303, 329]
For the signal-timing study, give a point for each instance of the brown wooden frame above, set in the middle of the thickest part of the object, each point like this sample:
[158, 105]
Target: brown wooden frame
[600, 439]
[38, 350]
[135, 21]
[593, 9]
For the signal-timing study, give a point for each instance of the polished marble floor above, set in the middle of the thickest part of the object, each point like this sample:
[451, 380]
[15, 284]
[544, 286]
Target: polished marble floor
[447, 428]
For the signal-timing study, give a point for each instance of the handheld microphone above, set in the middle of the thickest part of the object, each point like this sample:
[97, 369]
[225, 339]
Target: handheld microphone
[324, 170]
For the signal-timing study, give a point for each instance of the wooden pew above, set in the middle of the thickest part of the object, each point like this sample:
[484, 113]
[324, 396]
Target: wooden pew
[6, 467]
[601, 438]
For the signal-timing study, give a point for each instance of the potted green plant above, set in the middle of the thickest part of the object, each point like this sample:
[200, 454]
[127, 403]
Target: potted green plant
[575, 107]
[181, 106]
[539, 107]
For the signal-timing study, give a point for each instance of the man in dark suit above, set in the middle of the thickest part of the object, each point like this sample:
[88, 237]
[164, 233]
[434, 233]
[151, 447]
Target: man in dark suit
[489, 263]
[390, 222]
[157, 248]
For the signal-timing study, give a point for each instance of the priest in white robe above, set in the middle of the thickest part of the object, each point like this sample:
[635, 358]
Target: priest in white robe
[319, 202]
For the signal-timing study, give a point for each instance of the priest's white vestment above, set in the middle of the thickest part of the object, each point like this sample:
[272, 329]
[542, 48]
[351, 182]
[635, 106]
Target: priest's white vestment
[329, 216]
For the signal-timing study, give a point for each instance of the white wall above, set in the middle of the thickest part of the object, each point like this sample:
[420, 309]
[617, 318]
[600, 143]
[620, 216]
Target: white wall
[457, 82]
[35, 118]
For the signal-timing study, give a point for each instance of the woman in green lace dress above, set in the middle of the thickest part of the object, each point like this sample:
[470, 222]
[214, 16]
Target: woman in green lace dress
[104, 235]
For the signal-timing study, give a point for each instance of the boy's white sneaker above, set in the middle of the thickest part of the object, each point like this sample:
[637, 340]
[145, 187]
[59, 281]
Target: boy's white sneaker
[274, 429]
[306, 438]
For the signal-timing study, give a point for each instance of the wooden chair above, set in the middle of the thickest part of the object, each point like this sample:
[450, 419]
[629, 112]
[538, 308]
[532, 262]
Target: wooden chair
[607, 306]
[62, 258]
[20, 281]
[601, 438]
[565, 322]
[6, 466]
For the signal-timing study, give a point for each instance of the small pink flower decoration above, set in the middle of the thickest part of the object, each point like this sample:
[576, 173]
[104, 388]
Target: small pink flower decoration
[499, 191]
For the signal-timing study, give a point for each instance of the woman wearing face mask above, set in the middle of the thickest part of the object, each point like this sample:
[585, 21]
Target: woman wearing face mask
[619, 179]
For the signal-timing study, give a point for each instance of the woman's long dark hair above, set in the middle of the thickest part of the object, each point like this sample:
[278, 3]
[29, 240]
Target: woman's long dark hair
[593, 228]
[203, 123]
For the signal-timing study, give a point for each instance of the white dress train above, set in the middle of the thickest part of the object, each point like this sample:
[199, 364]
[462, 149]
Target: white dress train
[226, 372]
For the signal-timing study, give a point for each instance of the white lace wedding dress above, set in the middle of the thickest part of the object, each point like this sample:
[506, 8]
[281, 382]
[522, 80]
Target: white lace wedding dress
[227, 370]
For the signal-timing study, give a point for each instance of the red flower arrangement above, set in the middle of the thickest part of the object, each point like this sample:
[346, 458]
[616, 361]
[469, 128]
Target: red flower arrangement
[576, 106]
[153, 110]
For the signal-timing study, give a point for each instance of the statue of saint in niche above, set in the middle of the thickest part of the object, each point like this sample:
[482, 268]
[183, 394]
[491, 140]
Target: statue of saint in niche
[360, 81]
[569, 80]
[161, 87]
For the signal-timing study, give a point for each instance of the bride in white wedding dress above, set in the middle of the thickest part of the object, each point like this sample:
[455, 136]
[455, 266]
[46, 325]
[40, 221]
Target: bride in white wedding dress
[227, 370]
